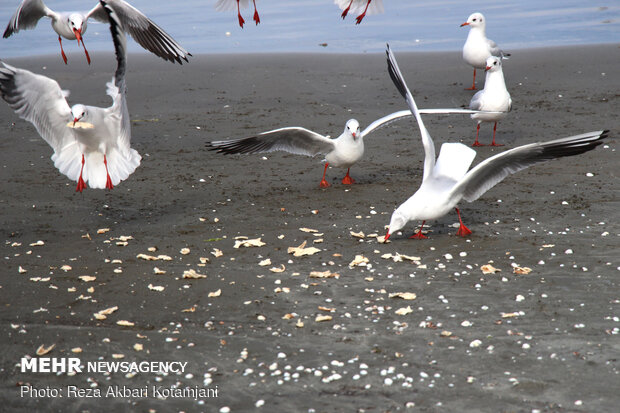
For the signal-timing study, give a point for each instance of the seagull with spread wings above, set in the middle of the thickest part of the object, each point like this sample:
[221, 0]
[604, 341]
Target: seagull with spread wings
[447, 179]
[72, 26]
[343, 151]
[91, 144]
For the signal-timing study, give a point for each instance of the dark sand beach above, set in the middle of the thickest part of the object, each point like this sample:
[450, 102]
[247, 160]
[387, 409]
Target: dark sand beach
[546, 341]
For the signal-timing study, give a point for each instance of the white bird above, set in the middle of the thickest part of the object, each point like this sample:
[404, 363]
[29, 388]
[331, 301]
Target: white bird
[357, 6]
[494, 100]
[91, 145]
[447, 180]
[72, 26]
[226, 5]
[343, 151]
[478, 48]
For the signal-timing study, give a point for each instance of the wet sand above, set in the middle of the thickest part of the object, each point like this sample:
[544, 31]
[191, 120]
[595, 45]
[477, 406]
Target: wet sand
[545, 341]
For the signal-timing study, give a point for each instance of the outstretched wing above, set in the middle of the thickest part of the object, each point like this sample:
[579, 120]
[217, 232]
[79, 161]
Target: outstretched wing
[295, 140]
[427, 141]
[493, 170]
[143, 30]
[27, 16]
[40, 101]
[118, 88]
[402, 114]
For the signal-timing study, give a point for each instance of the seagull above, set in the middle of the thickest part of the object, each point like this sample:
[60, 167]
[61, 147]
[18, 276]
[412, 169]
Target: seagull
[72, 25]
[91, 145]
[478, 48]
[447, 180]
[494, 99]
[343, 151]
[226, 5]
[355, 6]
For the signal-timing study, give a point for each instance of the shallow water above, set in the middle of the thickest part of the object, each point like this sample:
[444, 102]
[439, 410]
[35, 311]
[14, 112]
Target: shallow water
[304, 25]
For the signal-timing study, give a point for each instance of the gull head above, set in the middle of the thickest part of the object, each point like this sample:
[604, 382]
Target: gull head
[78, 112]
[76, 22]
[475, 20]
[494, 64]
[397, 222]
[353, 128]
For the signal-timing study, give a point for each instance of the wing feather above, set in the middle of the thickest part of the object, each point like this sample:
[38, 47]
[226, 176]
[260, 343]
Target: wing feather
[144, 31]
[490, 172]
[427, 141]
[39, 100]
[27, 16]
[295, 140]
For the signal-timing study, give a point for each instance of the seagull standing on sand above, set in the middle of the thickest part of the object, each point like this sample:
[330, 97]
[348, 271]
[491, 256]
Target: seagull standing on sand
[355, 6]
[493, 98]
[91, 145]
[344, 151]
[226, 5]
[72, 26]
[447, 180]
[478, 48]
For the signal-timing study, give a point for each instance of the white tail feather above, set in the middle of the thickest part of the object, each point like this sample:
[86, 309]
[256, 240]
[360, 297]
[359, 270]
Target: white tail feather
[68, 160]
[454, 160]
[120, 165]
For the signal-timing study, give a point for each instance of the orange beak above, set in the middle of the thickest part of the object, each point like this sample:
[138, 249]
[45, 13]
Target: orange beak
[465, 24]
[78, 35]
[353, 133]
[388, 235]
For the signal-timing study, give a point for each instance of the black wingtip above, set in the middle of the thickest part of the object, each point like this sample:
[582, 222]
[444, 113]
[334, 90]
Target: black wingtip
[393, 71]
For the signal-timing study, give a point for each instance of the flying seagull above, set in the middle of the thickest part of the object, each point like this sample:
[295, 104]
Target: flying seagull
[91, 144]
[226, 5]
[447, 180]
[357, 6]
[72, 26]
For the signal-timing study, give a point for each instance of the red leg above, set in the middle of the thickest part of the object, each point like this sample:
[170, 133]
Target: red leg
[241, 21]
[108, 183]
[256, 16]
[473, 84]
[81, 185]
[418, 234]
[347, 180]
[476, 143]
[324, 183]
[62, 52]
[85, 51]
[345, 11]
[493, 143]
[463, 230]
[359, 18]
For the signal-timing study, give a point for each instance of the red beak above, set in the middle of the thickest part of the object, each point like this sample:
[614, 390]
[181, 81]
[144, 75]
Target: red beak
[78, 35]
[487, 68]
[353, 133]
[75, 120]
[388, 235]
[465, 24]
